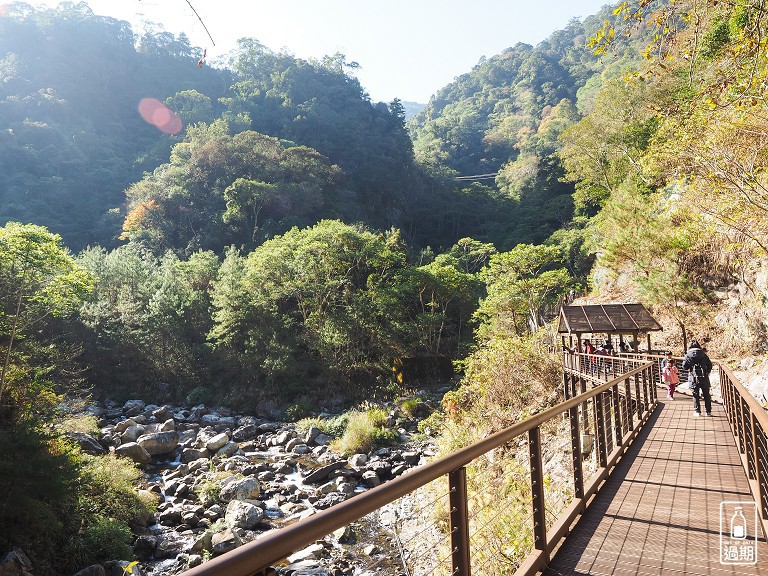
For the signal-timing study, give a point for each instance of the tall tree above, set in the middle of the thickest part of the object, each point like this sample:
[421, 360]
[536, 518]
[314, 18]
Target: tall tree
[38, 278]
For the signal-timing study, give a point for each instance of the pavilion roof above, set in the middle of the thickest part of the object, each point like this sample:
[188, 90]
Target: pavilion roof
[606, 319]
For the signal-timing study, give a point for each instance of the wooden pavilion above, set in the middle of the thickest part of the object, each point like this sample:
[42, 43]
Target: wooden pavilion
[610, 320]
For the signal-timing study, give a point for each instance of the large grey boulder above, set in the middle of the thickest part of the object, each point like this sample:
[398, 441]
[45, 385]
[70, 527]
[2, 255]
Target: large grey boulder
[159, 442]
[225, 541]
[132, 433]
[243, 514]
[247, 432]
[144, 547]
[320, 474]
[358, 460]
[135, 452]
[168, 546]
[217, 441]
[193, 454]
[133, 407]
[15, 563]
[234, 488]
[229, 449]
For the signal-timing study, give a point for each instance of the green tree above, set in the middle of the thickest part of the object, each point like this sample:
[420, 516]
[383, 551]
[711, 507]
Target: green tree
[310, 306]
[521, 284]
[38, 278]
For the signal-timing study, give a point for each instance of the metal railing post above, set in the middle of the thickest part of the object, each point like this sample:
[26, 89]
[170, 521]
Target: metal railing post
[740, 426]
[628, 403]
[537, 490]
[459, 517]
[602, 454]
[617, 413]
[647, 393]
[638, 401]
[578, 473]
[759, 439]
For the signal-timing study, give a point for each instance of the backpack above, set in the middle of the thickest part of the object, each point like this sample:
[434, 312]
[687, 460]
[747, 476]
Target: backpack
[699, 375]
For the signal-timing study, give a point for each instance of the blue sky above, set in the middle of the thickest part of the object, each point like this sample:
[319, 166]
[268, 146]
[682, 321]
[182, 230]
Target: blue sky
[407, 49]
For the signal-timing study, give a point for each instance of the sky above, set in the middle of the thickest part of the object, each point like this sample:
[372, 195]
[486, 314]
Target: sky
[406, 49]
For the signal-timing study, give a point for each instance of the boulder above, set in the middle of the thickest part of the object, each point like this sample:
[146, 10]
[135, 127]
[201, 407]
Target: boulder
[15, 563]
[168, 425]
[123, 425]
[168, 546]
[320, 474]
[411, 457]
[193, 454]
[284, 437]
[224, 541]
[247, 432]
[132, 433]
[234, 488]
[229, 449]
[371, 479]
[217, 441]
[243, 514]
[92, 570]
[159, 442]
[323, 440]
[202, 543]
[311, 434]
[330, 500]
[218, 421]
[169, 517]
[358, 460]
[135, 452]
[88, 444]
[133, 407]
[144, 546]
[311, 551]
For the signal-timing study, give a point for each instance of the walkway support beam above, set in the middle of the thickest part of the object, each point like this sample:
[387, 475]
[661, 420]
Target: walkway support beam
[457, 483]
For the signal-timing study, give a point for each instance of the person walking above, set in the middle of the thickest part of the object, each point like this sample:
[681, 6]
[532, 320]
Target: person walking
[699, 366]
[669, 375]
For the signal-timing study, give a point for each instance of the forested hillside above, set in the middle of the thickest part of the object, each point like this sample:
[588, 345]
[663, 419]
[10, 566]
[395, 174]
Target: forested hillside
[291, 246]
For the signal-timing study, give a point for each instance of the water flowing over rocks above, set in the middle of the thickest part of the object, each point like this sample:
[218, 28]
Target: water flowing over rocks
[221, 479]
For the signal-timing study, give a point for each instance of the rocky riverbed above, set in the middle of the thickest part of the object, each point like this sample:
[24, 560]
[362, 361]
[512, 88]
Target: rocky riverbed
[221, 479]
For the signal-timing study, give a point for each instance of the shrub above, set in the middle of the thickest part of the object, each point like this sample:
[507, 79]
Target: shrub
[414, 407]
[38, 475]
[298, 410]
[83, 424]
[105, 539]
[331, 426]
[108, 489]
[209, 490]
[200, 395]
[365, 431]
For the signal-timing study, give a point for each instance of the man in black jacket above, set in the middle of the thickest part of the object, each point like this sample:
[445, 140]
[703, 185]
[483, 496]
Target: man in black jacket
[699, 366]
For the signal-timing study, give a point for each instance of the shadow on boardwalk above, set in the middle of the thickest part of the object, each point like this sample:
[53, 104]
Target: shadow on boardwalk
[659, 512]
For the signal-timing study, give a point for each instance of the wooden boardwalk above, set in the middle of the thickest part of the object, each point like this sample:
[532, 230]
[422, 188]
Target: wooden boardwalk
[659, 512]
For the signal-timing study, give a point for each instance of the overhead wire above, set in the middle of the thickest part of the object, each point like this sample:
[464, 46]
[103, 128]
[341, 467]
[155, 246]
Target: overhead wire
[201, 21]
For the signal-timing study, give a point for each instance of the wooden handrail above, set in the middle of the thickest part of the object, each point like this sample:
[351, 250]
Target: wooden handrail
[749, 424]
[254, 557]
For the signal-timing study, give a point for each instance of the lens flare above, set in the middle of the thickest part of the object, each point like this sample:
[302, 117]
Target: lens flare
[159, 115]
